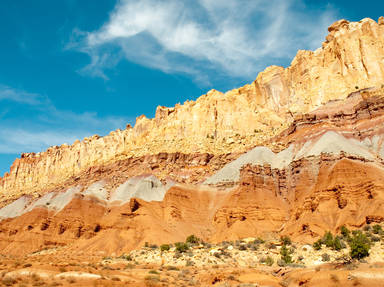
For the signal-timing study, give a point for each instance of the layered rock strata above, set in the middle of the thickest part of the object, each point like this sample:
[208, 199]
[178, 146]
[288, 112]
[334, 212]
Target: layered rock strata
[330, 174]
[351, 58]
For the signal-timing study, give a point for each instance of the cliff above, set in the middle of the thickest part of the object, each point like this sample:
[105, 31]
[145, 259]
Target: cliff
[330, 174]
[351, 58]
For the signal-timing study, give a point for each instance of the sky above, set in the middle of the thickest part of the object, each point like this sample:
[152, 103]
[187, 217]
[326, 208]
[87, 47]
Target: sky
[73, 68]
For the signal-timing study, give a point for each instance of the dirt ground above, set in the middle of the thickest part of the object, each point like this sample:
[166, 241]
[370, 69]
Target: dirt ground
[49, 270]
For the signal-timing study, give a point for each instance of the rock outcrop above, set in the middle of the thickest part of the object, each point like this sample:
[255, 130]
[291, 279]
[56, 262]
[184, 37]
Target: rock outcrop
[350, 59]
[329, 174]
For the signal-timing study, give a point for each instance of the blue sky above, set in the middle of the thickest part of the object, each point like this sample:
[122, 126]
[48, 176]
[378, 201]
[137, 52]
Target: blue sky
[73, 68]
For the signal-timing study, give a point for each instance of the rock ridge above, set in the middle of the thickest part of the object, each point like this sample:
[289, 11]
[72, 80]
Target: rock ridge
[351, 58]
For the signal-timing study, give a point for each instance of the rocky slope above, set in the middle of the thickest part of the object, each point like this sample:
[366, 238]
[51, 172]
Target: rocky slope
[329, 172]
[201, 168]
[350, 59]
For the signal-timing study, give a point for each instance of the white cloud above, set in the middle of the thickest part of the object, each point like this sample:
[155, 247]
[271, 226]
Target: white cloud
[31, 123]
[19, 96]
[233, 37]
[16, 141]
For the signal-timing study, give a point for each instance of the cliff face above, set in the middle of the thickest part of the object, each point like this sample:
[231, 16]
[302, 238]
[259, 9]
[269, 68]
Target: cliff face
[330, 173]
[352, 57]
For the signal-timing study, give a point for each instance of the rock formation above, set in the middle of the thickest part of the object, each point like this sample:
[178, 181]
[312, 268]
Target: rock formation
[297, 152]
[350, 59]
[329, 173]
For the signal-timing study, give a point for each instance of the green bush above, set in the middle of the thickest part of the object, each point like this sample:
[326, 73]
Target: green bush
[271, 245]
[285, 254]
[367, 228]
[242, 247]
[377, 229]
[332, 242]
[181, 247]
[317, 244]
[281, 263]
[325, 257]
[126, 257]
[164, 247]
[360, 245]
[269, 261]
[285, 240]
[374, 238]
[327, 239]
[344, 231]
[259, 241]
[192, 239]
[337, 244]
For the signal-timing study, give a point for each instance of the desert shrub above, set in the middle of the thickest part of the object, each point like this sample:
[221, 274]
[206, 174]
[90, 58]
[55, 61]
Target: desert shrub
[181, 247]
[377, 229]
[325, 257]
[285, 240]
[337, 244]
[360, 245]
[355, 232]
[192, 239]
[126, 257]
[259, 241]
[254, 247]
[164, 247]
[281, 263]
[327, 239]
[153, 246]
[300, 258]
[375, 238]
[153, 272]
[271, 246]
[285, 254]
[344, 231]
[225, 253]
[367, 228]
[208, 245]
[242, 247]
[317, 245]
[269, 261]
[172, 268]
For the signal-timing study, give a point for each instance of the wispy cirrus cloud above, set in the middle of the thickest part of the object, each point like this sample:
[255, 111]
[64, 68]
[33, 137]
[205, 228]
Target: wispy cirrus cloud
[31, 123]
[14, 95]
[205, 37]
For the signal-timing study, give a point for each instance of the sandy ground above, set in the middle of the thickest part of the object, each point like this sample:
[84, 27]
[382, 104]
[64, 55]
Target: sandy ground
[51, 271]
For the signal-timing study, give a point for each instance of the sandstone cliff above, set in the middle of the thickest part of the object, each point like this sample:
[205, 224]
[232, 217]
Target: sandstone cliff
[351, 58]
[330, 173]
